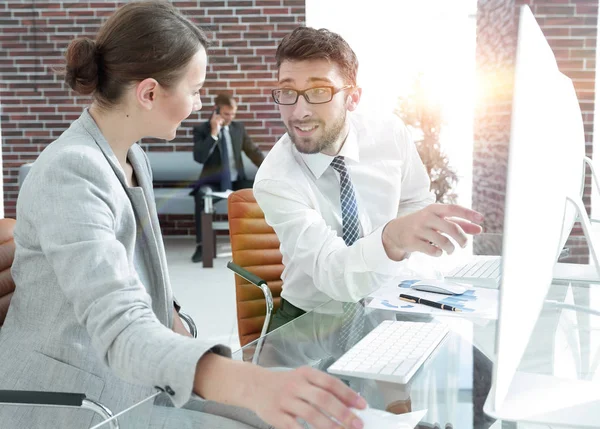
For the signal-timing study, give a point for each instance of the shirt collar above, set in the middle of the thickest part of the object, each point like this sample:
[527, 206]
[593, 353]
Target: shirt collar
[317, 163]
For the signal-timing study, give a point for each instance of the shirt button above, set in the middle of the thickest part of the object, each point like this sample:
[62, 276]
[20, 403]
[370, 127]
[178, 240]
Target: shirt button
[169, 390]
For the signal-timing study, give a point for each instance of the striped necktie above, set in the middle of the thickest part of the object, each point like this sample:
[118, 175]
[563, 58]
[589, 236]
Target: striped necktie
[353, 313]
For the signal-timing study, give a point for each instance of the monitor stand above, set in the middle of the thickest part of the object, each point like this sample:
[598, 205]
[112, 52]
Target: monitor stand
[546, 399]
[582, 272]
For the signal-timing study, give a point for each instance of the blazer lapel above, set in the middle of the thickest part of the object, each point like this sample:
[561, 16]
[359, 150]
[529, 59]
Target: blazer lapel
[139, 200]
[144, 205]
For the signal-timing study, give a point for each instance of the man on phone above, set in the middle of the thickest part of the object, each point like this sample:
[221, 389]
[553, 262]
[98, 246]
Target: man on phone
[218, 145]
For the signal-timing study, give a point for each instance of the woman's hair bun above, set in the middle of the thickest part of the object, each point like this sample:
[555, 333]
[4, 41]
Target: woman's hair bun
[82, 66]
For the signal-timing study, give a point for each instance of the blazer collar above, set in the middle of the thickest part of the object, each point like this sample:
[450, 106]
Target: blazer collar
[134, 154]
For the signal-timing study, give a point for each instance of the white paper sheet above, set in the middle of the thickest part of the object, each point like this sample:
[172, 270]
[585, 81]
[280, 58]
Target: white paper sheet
[377, 419]
[224, 194]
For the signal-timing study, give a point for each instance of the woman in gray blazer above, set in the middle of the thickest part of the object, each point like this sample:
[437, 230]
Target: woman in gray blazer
[93, 309]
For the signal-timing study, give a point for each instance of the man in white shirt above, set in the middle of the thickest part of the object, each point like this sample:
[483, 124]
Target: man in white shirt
[347, 196]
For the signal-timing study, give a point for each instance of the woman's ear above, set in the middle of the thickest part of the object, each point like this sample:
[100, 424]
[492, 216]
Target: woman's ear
[146, 93]
[353, 99]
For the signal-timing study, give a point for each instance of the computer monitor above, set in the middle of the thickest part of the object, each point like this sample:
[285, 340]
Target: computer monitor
[543, 199]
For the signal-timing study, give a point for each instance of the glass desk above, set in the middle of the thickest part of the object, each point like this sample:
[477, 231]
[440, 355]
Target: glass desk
[454, 382]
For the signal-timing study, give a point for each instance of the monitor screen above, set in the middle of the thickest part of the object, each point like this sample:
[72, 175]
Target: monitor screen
[545, 166]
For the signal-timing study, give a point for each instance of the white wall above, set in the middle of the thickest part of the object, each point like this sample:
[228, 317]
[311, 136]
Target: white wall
[394, 40]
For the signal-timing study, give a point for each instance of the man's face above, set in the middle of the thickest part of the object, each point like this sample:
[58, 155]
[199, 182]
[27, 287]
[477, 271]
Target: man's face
[313, 128]
[227, 113]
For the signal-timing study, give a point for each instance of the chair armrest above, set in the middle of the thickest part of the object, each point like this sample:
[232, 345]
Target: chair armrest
[258, 282]
[56, 399]
[187, 319]
[262, 284]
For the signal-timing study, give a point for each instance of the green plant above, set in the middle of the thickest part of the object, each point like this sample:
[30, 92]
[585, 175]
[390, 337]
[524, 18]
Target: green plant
[424, 115]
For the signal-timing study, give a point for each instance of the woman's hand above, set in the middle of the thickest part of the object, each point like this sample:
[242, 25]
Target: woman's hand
[306, 393]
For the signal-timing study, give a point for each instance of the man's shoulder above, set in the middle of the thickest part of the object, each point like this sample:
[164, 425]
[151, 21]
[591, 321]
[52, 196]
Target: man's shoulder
[202, 127]
[237, 124]
[369, 123]
[381, 135]
[280, 163]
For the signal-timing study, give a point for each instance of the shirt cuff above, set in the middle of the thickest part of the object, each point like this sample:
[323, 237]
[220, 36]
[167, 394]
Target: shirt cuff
[374, 255]
[215, 138]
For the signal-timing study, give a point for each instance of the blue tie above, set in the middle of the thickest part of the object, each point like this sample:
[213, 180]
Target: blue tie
[225, 171]
[352, 323]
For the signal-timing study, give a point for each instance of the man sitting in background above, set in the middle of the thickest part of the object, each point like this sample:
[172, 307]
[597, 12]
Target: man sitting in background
[218, 144]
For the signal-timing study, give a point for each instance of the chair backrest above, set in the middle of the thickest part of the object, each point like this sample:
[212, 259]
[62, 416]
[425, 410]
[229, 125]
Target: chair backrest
[7, 254]
[255, 247]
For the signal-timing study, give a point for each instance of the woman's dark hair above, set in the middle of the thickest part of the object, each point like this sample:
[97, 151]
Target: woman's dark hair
[140, 40]
[305, 43]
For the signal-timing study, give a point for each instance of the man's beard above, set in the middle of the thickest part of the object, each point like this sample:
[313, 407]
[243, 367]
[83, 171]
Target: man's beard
[330, 136]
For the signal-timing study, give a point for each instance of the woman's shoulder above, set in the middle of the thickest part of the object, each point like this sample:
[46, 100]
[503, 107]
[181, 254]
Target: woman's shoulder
[74, 149]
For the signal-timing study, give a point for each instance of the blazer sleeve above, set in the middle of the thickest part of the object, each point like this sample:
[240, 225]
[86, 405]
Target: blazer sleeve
[250, 149]
[204, 144]
[77, 209]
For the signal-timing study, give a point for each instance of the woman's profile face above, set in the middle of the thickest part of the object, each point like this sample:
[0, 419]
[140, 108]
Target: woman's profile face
[178, 102]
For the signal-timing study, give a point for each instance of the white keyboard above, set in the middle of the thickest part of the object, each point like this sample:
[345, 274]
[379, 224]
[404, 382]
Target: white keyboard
[393, 351]
[479, 271]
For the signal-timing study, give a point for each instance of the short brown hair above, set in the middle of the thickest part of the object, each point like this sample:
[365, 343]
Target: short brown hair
[225, 100]
[306, 43]
[140, 40]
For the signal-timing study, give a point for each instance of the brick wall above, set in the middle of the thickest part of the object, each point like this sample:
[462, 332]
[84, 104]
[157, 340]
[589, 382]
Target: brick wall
[570, 28]
[37, 107]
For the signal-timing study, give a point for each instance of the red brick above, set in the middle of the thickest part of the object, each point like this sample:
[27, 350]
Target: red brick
[583, 32]
[582, 53]
[219, 12]
[254, 19]
[554, 10]
[234, 43]
[587, 9]
[572, 21]
[566, 43]
[225, 19]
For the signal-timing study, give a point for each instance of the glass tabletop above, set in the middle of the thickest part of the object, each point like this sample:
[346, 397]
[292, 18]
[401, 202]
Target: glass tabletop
[453, 384]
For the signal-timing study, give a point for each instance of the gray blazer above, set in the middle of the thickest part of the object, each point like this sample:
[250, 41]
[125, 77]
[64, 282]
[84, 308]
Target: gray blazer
[80, 319]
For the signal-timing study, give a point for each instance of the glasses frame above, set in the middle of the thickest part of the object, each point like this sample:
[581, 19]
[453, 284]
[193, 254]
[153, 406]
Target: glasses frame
[299, 93]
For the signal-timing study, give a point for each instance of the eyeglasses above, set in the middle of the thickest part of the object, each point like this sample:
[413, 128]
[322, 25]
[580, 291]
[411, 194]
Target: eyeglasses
[317, 95]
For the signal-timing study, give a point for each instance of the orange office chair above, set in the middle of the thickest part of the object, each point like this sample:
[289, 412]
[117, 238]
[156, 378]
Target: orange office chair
[257, 261]
[7, 254]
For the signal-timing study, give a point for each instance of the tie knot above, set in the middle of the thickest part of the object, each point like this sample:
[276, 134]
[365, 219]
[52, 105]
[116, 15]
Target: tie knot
[338, 164]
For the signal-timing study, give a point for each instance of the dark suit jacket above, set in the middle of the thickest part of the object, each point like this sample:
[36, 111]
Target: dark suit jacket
[207, 151]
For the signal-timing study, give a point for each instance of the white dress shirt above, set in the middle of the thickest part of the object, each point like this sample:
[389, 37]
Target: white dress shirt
[232, 166]
[300, 196]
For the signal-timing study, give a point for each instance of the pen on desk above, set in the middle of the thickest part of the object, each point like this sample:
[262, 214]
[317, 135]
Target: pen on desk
[418, 300]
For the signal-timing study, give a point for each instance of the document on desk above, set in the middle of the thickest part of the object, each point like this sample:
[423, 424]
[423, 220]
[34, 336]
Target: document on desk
[378, 419]
[225, 194]
[476, 302]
